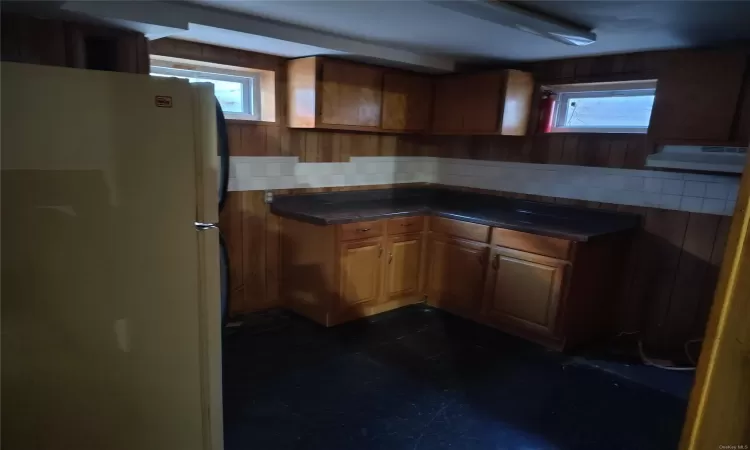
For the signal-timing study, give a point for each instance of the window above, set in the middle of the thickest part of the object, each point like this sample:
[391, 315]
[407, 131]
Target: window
[603, 107]
[236, 88]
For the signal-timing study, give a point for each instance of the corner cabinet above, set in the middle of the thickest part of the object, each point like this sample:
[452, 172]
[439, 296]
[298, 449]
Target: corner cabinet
[524, 290]
[456, 274]
[492, 102]
[407, 99]
[336, 273]
[335, 94]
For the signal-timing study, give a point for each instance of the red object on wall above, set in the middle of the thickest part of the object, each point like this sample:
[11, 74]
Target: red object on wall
[546, 111]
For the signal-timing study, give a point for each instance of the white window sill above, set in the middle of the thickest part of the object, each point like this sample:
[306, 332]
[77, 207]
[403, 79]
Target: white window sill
[600, 130]
[241, 116]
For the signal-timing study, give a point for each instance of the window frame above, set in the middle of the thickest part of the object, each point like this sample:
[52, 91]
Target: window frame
[565, 93]
[250, 81]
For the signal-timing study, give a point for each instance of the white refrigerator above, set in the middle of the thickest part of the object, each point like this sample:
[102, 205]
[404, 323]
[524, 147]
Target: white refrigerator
[111, 328]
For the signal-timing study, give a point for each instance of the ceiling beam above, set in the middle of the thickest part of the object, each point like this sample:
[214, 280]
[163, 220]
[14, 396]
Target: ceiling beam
[175, 20]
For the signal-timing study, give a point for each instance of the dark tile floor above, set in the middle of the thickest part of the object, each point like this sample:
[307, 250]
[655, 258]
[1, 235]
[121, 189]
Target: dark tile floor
[418, 378]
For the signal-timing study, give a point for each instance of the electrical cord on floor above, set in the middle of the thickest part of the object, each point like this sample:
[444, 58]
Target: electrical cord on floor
[650, 362]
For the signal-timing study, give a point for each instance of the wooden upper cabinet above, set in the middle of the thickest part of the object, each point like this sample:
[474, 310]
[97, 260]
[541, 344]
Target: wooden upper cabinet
[481, 101]
[407, 100]
[336, 94]
[448, 105]
[493, 102]
[697, 96]
[329, 93]
[524, 290]
[350, 94]
[403, 265]
[360, 267]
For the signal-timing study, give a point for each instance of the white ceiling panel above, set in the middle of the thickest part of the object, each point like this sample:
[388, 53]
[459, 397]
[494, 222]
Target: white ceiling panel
[621, 26]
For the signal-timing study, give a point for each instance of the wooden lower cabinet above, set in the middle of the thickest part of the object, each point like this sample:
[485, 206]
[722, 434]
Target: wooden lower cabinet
[455, 275]
[524, 290]
[550, 290]
[557, 292]
[333, 274]
[360, 272]
[403, 266]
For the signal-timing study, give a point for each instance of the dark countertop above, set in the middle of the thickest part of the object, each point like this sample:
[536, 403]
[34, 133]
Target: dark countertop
[578, 224]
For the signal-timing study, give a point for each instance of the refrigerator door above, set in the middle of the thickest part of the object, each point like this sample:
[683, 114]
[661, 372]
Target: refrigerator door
[110, 297]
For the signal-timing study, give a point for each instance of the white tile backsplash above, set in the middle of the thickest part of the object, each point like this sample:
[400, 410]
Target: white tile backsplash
[614, 181]
[652, 199]
[733, 190]
[273, 169]
[694, 189]
[245, 171]
[710, 194]
[634, 183]
[652, 184]
[670, 201]
[287, 169]
[692, 204]
[672, 186]
[713, 206]
[717, 190]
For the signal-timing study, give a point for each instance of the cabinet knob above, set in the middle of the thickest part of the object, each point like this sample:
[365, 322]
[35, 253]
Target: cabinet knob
[362, 230]
[496, 261]
[390, 257]
[380, 251]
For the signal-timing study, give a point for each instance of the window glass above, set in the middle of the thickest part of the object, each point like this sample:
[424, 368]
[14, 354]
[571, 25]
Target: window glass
[612, 107]
[235, 94]
[607, 112]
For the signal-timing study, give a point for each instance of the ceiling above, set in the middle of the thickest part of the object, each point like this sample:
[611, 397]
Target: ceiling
[419, 26]
[422, 35]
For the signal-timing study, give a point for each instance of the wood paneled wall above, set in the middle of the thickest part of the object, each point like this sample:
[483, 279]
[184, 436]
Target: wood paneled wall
[673, 263]
[62, 43]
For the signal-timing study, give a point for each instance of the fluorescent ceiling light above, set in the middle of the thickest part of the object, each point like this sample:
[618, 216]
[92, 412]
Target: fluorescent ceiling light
[515, 17]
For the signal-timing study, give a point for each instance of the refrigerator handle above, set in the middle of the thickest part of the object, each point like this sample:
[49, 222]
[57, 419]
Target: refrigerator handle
[200, 226]
[223, 148]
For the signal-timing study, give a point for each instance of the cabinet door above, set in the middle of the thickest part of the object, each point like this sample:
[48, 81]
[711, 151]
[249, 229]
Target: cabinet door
[524, 290]
[481, 102]
[406, 101]
[403, 266]
[697, 96]
[448, 106]
[360, 272]
[455, 275]
[350, 94]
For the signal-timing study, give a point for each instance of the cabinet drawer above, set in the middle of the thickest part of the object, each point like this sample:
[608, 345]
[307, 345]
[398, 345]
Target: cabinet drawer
[361, 230]
[532, 243]
[465, 230]
[403, 225]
